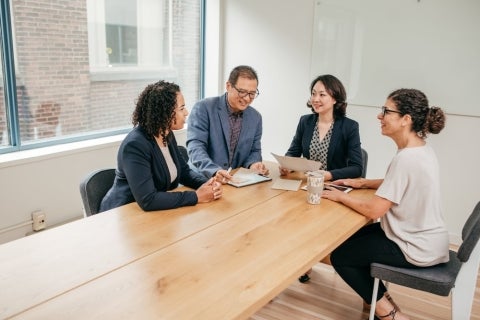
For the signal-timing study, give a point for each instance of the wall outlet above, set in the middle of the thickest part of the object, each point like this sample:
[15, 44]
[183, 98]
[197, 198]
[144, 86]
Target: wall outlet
[39, 220]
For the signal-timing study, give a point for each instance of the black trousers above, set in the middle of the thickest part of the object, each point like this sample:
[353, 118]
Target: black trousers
[352, 259]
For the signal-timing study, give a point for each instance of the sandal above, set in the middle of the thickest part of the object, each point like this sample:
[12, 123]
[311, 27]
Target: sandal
[390, 314]
[306, 277]
[389, 298]
[366, 306]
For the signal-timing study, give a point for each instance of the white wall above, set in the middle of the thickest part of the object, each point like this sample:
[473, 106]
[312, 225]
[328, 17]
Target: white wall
[276, 38]
[48, 180]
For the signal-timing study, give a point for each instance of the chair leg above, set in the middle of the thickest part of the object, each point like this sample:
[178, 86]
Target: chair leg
[374, 299]
[462, 296]
[465, 284]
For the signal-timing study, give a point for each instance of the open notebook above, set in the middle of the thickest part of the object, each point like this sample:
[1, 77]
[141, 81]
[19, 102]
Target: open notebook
[245, 177]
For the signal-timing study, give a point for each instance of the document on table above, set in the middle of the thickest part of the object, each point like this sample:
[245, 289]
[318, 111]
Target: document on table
[286, 184]
[245, 177]
[297, 164]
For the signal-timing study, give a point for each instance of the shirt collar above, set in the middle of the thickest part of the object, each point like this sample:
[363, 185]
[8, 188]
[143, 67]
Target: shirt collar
[229, 110]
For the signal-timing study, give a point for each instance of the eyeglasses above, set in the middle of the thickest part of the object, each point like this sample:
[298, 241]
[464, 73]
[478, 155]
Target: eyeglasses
[385, 111]
[243, 93]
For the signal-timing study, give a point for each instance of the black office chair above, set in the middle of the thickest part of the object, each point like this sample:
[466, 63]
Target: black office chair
[365, 162]
[459, 275]
[94, 187]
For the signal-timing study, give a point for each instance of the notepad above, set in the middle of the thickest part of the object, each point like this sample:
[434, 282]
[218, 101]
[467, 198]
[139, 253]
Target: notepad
[245, 177]
[286, 184]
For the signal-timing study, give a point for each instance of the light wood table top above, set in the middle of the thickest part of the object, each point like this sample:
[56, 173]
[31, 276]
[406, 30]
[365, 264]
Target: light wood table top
[47, 264]
[226, 271]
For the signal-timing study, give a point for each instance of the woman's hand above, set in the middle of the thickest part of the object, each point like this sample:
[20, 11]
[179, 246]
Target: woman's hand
[333, 194]
[354, 183]
[283, 171]
[209, 191]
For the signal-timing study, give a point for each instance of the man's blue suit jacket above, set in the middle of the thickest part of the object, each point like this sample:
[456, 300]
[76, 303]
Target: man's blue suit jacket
[208, 137]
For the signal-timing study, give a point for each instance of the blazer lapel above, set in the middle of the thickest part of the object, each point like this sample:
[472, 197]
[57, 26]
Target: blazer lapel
[223, 119]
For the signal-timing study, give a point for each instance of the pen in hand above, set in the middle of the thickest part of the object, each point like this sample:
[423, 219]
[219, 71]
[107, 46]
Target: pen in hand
[228, 172]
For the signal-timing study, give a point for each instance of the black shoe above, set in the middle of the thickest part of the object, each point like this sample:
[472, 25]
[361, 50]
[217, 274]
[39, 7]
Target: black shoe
[305, 278]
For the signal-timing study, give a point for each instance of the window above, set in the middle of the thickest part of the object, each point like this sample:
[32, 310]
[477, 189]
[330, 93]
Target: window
[79, 67]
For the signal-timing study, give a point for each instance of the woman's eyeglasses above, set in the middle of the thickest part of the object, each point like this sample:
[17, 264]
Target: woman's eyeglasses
[385, 111]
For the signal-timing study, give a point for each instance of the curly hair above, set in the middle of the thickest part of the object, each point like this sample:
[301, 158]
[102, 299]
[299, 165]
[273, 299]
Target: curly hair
[425, 119]
[334, 88]
[155, 108]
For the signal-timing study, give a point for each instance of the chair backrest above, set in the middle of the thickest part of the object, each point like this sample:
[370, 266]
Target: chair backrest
[183, 152]
[94, 187]
[365, 162]
[470, 234]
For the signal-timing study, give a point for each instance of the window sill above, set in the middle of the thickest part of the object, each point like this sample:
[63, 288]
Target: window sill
[134, 73]
[32, 155]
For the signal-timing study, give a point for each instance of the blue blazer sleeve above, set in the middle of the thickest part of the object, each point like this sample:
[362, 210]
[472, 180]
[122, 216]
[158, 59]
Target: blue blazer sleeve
[344, 158]
[143, 176]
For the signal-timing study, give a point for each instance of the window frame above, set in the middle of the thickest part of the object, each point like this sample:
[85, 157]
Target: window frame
[9, 84]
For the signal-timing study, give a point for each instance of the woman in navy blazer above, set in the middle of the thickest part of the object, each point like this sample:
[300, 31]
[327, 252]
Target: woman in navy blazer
[328, 135]
[149, 163]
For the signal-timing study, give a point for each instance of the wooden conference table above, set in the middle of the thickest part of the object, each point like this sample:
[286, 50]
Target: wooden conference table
[219, 260]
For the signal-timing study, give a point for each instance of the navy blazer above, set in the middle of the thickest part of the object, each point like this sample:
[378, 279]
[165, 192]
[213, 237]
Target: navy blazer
[344, 159]
[208, 137]
[143, 176]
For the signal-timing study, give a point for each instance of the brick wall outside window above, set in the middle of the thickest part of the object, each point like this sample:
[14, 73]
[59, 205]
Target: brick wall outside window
[56, 93]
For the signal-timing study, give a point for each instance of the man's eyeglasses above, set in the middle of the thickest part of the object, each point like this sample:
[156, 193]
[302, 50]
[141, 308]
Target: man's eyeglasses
[243, 93]
[385, 111]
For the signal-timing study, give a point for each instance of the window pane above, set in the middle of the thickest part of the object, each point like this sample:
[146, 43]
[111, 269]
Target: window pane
[121, 31]
[68, 81]
[3, 114]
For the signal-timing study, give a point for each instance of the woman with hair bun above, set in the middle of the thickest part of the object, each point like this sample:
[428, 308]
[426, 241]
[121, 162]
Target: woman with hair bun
[411, 231]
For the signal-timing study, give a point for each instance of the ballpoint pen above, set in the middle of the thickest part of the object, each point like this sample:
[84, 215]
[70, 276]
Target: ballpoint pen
[228, 172]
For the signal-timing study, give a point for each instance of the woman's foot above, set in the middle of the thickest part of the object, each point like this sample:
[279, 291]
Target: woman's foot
[306, 277]
[366, 306]
[385, 310]
[389, 298]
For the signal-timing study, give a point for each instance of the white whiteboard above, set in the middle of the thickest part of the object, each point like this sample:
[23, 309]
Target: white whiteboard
[377, 46]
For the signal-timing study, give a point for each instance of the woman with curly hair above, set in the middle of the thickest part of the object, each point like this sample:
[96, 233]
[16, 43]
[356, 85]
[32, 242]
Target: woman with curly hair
[411, 231]
[148, 160]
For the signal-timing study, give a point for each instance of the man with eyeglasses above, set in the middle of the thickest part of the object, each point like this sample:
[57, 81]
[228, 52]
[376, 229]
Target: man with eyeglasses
[225, 132]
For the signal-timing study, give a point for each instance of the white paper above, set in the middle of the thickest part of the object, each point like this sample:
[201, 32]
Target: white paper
[286, 184]
[297, 164]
